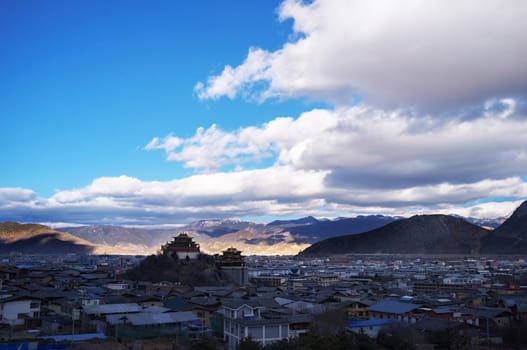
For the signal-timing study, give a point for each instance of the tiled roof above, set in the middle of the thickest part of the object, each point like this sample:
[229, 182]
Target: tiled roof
[392, 306]
[112, 308]
[145, 319]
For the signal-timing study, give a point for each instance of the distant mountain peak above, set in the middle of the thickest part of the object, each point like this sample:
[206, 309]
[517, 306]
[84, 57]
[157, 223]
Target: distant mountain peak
[307, 220]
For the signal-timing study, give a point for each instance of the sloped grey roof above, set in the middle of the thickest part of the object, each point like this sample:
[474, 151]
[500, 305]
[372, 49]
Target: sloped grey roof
[155, 309]
[236, 303]
[112, 308]
[486, 312]
[305, 307]
[145, 319]
[283, 301]
[392, 306]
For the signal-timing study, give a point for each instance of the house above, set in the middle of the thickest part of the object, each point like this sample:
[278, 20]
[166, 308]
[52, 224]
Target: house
[149, 301]
[203, 307]
[299, 324]
[144, 325]
[245, 318]
[116, 286]
[394, 309]
[16, 309]
[358, 309]
[493, 317]
[108, 309]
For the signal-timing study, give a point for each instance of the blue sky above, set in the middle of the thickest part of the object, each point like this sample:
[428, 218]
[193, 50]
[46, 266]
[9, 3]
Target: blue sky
[156, 112]
[86, 84]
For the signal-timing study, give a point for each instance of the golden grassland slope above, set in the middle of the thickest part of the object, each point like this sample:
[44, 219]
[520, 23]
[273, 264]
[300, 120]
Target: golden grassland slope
[19, 237]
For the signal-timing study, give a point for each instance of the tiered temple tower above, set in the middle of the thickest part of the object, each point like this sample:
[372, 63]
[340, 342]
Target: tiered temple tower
[232, 265]
[183, 246]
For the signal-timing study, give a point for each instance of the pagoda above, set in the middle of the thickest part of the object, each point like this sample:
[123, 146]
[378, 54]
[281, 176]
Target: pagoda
[233, 267]
[231, 257]
[183, 246]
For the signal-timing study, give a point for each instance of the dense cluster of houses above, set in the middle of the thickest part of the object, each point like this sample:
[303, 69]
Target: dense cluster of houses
[284, 298]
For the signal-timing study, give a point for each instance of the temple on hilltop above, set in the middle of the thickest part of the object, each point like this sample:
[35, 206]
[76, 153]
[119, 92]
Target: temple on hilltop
[231, 257]
[232, 265]
[183, 246]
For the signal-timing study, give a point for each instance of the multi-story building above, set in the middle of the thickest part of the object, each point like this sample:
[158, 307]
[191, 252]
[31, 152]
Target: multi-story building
[16, 309]
[244, 319]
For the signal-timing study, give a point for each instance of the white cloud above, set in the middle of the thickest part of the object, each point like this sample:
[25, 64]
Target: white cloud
[367, 148]
[14, 195]
[486, 210]
[428, 54]
[326, 163]
[277, 191]
[233, 80]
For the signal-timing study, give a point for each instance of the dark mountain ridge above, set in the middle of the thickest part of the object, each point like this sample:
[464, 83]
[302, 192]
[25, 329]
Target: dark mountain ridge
[433, 234]
[511, 236]
[343, 226]
[420, 234]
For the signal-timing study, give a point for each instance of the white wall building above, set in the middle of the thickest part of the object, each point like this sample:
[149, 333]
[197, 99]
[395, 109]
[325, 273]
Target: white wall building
[243, 320]
[14, 310]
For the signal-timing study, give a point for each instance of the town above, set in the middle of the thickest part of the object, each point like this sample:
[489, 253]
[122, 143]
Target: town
[84, 300]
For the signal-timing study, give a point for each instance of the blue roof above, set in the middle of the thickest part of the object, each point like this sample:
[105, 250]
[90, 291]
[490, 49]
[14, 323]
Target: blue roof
[368, 323]
[75, 337]
[391, 306]
[442, 310]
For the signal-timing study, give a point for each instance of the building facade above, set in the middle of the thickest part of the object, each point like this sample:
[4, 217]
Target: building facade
[243, 320]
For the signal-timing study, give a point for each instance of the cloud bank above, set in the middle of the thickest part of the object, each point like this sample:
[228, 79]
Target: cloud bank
[354, 160]
[426, 54]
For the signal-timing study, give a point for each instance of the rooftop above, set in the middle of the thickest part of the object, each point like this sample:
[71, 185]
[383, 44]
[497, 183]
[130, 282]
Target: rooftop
[391, 306]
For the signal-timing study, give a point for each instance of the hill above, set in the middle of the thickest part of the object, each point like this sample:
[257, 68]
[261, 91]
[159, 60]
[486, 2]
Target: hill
[40, 239]
[420, 234]
[511, 236]
[157, 268]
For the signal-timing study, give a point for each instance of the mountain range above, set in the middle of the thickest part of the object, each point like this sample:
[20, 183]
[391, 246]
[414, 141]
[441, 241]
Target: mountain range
[277, 237]
[426, 234]
[433, 234]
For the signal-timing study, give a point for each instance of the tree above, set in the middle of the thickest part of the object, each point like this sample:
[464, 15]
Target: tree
[395, 340]
[205, 343]
[249, 344]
